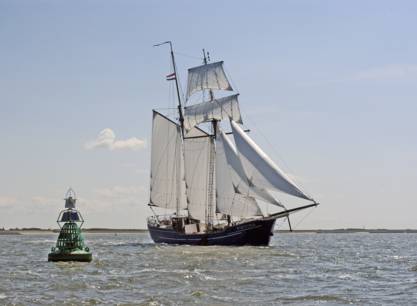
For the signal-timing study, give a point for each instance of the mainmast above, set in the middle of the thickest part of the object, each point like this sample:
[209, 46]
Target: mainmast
[212, 156]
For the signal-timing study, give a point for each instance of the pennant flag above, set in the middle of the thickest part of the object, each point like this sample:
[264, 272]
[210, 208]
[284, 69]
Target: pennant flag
[171, 76]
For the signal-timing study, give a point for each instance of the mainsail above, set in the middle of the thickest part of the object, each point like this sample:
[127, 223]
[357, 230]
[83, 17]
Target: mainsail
[208, 76]
[229, 200]
[261, 170]
[167, 188]
[197, 147]
[217, 109]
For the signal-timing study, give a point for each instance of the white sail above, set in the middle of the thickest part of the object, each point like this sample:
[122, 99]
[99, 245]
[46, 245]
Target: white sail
[210, 76]
[196, 155]
[239, 177]
[260, 169]
[166, 176]
[219, 109]
[229, 200]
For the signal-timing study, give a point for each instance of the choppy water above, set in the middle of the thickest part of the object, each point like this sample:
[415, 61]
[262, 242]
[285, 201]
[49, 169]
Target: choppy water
[297, 269]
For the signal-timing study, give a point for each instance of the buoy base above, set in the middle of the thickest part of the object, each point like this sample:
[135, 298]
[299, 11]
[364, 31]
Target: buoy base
[73, 256]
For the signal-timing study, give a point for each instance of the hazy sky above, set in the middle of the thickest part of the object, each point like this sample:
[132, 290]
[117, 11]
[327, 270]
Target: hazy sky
[329, 89]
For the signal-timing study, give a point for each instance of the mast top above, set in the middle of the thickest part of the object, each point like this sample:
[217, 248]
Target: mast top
[163, 43]
[175, 77]
[206, 56]
[206, 59]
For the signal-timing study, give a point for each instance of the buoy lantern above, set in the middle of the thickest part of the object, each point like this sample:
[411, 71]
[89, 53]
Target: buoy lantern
[70, 244]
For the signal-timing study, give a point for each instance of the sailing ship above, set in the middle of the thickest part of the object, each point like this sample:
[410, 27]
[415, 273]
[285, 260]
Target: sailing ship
[211, 180]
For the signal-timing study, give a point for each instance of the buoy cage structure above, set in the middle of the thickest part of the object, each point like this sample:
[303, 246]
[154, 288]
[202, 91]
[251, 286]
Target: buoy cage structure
[70, 245]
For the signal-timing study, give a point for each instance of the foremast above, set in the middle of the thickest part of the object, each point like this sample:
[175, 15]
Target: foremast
[181, 121]
[175, 77]
[211, 192]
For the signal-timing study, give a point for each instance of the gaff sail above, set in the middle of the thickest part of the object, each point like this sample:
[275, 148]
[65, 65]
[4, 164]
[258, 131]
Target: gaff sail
[197, 147]
[167, 188]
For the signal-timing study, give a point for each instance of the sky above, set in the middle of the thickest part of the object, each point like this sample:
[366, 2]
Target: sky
[328, 89]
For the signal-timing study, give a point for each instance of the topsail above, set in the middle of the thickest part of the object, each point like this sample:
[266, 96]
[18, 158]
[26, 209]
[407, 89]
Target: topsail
[218, 109]
[210, 76]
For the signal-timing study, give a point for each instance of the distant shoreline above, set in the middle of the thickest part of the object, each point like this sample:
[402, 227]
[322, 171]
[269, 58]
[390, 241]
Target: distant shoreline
[35, 230]
[28, 231]
[350, 231]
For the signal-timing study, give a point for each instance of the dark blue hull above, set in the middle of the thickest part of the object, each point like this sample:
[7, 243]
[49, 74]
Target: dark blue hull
[256, 232]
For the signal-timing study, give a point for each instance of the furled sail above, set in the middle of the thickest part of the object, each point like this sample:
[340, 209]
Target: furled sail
[260, 169]
[196, 154]
[210, 76]
[167, 188]
[240, 180]
[219, 109]
[229, 200]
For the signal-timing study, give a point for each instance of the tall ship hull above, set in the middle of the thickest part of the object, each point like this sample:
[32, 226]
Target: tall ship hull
[255, 232]
[208, 173]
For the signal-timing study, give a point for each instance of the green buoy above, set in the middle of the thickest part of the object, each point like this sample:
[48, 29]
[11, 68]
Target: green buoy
[70, 244]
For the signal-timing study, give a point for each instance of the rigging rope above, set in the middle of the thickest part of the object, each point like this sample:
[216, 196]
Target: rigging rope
[310, 211]
[280, 158]
[231, 80]
[187, 55]
[266, 139]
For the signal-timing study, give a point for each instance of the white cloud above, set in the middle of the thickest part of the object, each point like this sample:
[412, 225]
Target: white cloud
[6, 201]
[118, 206]
[111, 198]
[388, 72]
[107, 139]
[43, 201]
[119, 191]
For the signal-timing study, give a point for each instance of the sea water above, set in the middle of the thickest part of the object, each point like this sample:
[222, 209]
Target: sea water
[296, 269]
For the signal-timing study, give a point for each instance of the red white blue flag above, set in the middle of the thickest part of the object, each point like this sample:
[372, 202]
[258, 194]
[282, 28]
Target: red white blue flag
[171, 76]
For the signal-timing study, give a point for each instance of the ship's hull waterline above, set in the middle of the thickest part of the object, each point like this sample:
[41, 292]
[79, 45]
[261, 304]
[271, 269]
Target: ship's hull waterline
[255, 232]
